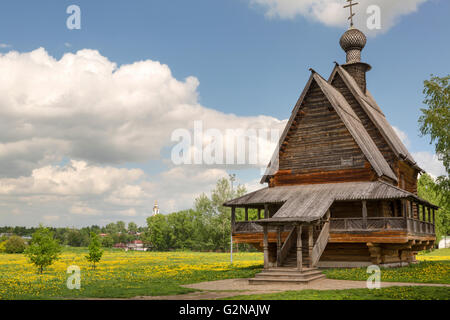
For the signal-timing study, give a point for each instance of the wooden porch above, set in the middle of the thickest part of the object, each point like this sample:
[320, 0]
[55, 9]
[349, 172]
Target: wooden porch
[300, 245]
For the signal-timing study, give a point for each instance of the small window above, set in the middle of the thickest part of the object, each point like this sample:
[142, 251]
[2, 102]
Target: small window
[347, 162]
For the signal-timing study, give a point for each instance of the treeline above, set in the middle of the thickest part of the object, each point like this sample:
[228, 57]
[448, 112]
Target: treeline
[117, 232]
[207, 227]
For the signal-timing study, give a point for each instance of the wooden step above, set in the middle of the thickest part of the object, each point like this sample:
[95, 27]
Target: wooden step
[293, 275]
[285, 280]
[284, 275]
[288, 269]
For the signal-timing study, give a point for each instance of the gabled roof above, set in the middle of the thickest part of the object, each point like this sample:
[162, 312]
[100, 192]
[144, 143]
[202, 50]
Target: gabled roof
[373, 111]
[311, 202]
[352, 123]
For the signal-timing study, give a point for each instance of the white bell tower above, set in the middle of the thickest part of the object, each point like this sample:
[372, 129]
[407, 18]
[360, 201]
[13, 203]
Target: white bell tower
[155, 208]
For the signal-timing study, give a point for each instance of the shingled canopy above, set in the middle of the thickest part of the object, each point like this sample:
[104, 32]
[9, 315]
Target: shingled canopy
[307, 203]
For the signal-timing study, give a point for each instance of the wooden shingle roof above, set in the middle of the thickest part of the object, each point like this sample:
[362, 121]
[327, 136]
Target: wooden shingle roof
[370, 106]
[311, 202]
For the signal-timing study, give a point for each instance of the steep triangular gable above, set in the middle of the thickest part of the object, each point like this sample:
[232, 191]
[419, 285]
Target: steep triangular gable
[351, 122]
[356, 128]
[373, 111]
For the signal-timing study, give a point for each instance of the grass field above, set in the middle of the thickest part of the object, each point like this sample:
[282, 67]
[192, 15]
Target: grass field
[391, 293]
[121, 274]
[434, 268]
[127, 274]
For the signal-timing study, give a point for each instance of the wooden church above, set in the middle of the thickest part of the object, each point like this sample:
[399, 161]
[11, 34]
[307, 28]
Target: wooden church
[342, 187]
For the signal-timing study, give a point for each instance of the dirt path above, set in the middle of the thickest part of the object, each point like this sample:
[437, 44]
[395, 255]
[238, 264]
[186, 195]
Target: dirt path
[220, 289]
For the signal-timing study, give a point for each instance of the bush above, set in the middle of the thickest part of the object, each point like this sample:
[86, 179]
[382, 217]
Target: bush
[15, 244]
[2, 247]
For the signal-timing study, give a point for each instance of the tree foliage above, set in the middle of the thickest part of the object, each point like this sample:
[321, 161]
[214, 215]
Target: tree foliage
[435, 120]
[429, 190]
[15, 244]
[207, 227]
[43, 250]
[95, 250]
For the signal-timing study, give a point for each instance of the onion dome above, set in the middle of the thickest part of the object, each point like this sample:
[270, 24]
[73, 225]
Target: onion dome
[352, 42]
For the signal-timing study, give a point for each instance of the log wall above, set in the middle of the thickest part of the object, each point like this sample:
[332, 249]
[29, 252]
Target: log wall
[370, 127]
[318, 139]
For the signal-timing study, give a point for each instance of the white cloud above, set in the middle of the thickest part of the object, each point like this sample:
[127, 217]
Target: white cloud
[85, 111]
[430, 163]
[85, 107]
[403, 136]
[332, 13]
[76, 178]
[84, 211]
[51, 219]
[5, 45]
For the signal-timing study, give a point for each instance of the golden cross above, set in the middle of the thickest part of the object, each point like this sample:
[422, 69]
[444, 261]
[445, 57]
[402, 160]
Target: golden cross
[350, 5]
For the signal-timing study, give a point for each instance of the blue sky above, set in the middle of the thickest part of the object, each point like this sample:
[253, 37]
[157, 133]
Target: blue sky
[248, 62]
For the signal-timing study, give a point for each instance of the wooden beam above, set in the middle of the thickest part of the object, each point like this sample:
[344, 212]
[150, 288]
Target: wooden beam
[259, 213]
[246, 213]
[310, 244]
[411, 212]
[266, 247]
[233, 219]
[266, 211]
[406, 212]
[278, 246]
[299, 248]
[364, 214]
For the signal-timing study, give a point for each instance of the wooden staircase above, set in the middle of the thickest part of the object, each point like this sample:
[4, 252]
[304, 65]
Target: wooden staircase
[291, 259]
[287, 271]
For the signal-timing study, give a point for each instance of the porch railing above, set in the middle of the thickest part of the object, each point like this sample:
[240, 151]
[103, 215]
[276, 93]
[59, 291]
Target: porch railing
[355, 224]
[382, 223]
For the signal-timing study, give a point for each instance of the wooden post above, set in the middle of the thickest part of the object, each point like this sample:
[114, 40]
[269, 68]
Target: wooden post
[266, 211]
[246, 213]
[310, 244]
[434, 222]
[406, 208]
[299, 248]
[266, 247]
[429, 219]
[423, 225]
[259, 213]
[233, 219]
[278, 246]
[411, 212]
[364, 214]
[416, 215]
